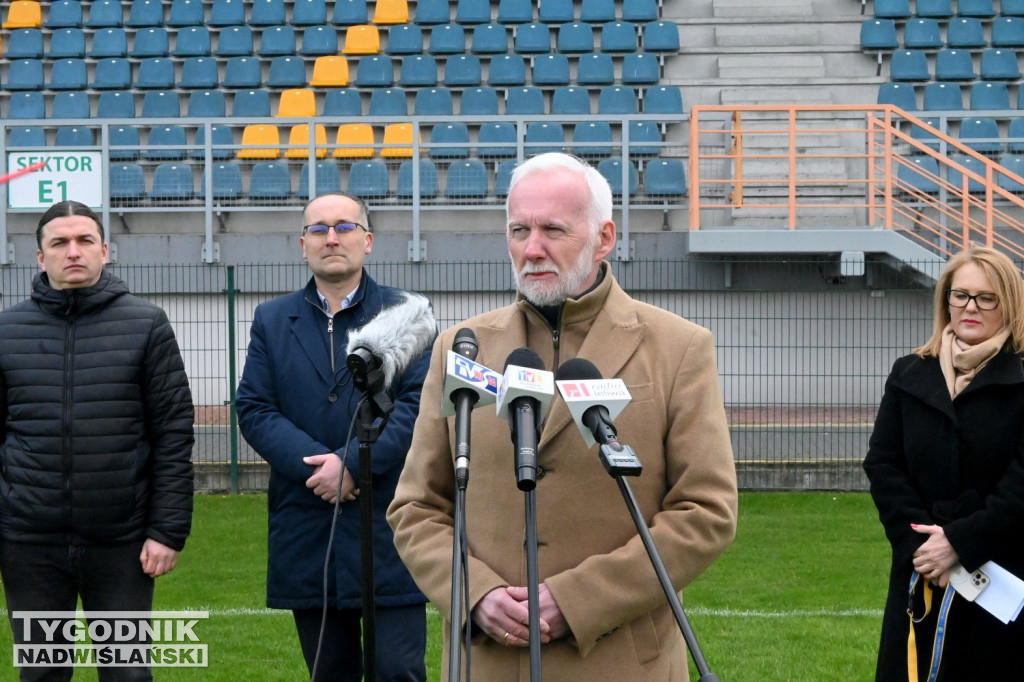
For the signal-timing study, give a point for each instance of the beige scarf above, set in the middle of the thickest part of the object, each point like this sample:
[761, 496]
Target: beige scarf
[961, 363]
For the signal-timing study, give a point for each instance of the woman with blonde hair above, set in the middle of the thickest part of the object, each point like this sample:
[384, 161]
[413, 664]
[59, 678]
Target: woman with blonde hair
[946, 467]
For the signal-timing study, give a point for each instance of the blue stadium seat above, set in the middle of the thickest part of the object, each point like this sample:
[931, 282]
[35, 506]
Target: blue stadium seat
[919, 34]
[515, 12]
[661, 36]
[73, 136]
[206, 104]
[404, 39]
[67, 74]
[596, 68]
[447, 39]
[126, 140]
[26, 136]
[389, 102]
[570, 100]
[901, 95]
[227, 13]
[161, 104]
[24, 43]
[374, 71]
[127, 182]
[640, 68]
[1008, 32]
[503, 178]
[551, 69]
[418, 70]
[67, 43]
[114, 73]
[192, 41]
[449, 141]
[267, 13]
[226, 182]
[469, 12]
[1015, 164]
[640, 10]
[462, 70]
[524, 101]
[611, 169]
[919, 174]
[618, 36]
[557, 11]
[343, 102]
[936, 9]
[466, 180]
[665, 178]
[24, 74]
[234, 41]
[956, 178]
[308, 13]
[369, 179]
[242, 72]
[974, 130]
[166, 143]
[597, 11]
[270, 181]
[506, 70]
[221, 143]
[924, 136]
[543, 137]
[150, 42]
[276, 41]
[199, 73]
[104, 13]
[575, 38]
[644, 139]
[109, 42]
[64, 14]
[70, 104]
[1011, 8]
[892, 9]
[186, 13]
[433, 102]
[496, 140]
[941, 96]
[145, 13]
[29, 104]
[328, 179]
[349, 13]
[286, 72]
[532, 39]
[616, 99]
[250, 104]
[432, 12]
[115, 104]
[155, 72]
[663, 99]
[880, 34]
[172, 181]
[909, 65]
[319, 40]
[983, 9]
[954, 65]
[428, 184]
[480, 101]
[592, 139]
[965, 32]
[990, 95]
[999, 63]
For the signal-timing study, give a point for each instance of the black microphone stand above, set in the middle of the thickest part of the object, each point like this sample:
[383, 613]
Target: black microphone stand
[526, 480]
[620, 461]
[463, 409]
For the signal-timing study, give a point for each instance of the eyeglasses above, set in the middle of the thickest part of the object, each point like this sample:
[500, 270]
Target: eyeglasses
[320, 230]
[960, 299]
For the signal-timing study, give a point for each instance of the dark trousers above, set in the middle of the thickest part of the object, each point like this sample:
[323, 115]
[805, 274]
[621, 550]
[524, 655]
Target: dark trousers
[401, 643]
[53, 577]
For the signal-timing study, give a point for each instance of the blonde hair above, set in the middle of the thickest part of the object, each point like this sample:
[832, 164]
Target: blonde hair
[1006, 280]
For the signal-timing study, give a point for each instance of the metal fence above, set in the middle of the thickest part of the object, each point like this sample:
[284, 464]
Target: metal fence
[802, 353]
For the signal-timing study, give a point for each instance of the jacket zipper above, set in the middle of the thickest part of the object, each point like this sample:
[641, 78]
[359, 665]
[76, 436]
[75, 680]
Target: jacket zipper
[66, 411]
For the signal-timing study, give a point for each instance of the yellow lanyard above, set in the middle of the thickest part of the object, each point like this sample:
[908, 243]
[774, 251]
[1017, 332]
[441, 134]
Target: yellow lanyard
[940, 628]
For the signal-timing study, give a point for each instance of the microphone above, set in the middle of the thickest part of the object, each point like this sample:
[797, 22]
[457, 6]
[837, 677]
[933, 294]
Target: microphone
[525, 395]
[462, 374]
[383, 347]
[594, 402]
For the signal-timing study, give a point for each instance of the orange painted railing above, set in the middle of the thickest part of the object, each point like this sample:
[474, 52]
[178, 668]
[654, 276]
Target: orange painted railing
[818, 167]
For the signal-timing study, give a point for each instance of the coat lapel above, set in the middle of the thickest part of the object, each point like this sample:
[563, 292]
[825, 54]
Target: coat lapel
[307, 326]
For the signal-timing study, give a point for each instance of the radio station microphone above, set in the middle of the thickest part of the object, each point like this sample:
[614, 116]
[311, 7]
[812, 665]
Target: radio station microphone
[525, 396]
[467, 385]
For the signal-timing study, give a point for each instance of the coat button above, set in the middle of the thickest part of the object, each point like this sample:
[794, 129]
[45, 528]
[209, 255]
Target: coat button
[333, 397]
[540, 472]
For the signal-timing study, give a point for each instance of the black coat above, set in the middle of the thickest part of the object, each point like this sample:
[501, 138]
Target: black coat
[96, 420]
[959, 464]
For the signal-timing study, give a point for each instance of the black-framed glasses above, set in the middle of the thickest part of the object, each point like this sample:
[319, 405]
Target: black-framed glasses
[960, 299]
[320, 230]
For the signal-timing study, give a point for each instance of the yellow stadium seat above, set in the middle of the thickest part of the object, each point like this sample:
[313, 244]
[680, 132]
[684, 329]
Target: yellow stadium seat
[391, 12]
[253, 136]
[330, 71]
[363, 39]
[298, 141]
[24, 14]
[352, 141]
[297, 102]
[397, 134]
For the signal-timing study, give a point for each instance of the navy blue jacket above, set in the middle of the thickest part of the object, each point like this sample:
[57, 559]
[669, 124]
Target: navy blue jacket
[291, 405]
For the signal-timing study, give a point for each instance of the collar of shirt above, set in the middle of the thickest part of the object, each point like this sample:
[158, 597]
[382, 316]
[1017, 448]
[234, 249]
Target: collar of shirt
[345, 303]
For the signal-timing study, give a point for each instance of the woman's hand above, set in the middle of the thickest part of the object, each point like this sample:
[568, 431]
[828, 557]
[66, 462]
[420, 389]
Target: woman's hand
[936, 556]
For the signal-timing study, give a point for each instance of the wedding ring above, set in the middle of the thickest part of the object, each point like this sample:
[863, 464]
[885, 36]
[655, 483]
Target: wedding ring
[506, 639]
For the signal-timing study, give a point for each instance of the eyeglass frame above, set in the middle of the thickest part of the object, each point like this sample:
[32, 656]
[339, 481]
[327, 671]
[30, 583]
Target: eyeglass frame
[328, 228]
[976, 298]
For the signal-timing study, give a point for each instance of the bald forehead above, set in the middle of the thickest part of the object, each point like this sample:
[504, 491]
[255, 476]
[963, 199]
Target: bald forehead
[333, 203]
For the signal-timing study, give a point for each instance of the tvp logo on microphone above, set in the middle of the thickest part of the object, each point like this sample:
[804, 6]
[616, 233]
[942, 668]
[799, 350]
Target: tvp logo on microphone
[519, 382]
[109, 639]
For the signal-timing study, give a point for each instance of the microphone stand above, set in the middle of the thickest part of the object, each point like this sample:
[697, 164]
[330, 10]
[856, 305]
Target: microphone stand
[620, 461]
[463, 409]
[526, 480]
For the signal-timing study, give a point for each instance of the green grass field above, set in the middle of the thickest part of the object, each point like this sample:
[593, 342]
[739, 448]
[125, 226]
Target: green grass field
[797, 597]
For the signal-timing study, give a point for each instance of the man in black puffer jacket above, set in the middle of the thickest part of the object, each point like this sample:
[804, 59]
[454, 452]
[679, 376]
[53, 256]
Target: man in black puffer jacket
[96, 435]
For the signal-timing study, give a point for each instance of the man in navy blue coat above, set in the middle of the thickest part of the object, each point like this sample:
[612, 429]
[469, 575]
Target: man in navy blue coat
[296, 403]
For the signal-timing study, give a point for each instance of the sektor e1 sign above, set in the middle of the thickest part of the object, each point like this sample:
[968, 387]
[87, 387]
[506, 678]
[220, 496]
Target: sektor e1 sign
[66, 175]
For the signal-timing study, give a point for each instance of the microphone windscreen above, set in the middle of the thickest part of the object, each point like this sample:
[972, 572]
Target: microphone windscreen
[524, 357]
[578, 369]
[465, 343]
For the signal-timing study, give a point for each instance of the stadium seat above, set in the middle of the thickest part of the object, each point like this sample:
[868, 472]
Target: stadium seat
[909, 65]
[70, 104]
[663, 99]
[428, 185]
[551, 69]
[432, 12]
[260, 141]
[286, 72]
[595, 69]
[270, 181]
[362, 40]
[597, 11]
[983, 9]
[506, 70]
[965, 32]
[980, 134]
[664, 178]
[557, 11]
[1008, 32]
[999, 63]
[115, 104]
[433, 102]
[308, 13]
[524, 101]
[389, 102]
[124, 143]
[343, 102]
[298, 142]
[404, 39]
[918, 173]
[24, 43]
[640, 10]
[956, 178]
[349, 13]
[470, 12]
[145, 14]
[940, 96]
[479, 101]
[26, 136]
[226, 181]
[297, 102]
[920, 34]
[150, 42]
[893, 9]
[206, 104]
[989, 95]
[901, 95]
[234, 41]
[616, 99]
[398, 140]
[73, 136]
[503, 178]
[660, 36]
[387, 12]
[496, 140]
[466, 180]
[267, 13]
[24, 74]
[192, 41]
[418, 70]
[936, 9]
[68, 74]
[592, 139]
[28, 104]
[155, 72]
[644, 139]
[161, 104]
[611, 169]
[532, 39]
[227, 13]
[515, 12]
[104, 14]
[374, 71]
[222, 141]
[954, 65]
[62, 14]
[242, 72]
[618, 37]
[1015, 164]
[319, 40]
[111, 74]
[127, 182]
[543, 137]
[570, 100]
[1011, 8]
[449, 141]
[354, 141]
[186, 13]
[369, 179]
[166, 143]
[447, 39]
[462, 70]
[109, 42]
[67, 43]
[328, 179]
[24, 14]
[276, 41]
[925, 136]
[575, 38]
[640, 68]
[199, 73]
[330, 71]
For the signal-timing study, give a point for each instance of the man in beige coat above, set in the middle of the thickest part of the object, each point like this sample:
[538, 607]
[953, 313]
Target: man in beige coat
[603, 613]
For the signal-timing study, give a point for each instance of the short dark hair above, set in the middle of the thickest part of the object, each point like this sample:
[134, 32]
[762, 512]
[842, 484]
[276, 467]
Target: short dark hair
[66, 208]
[360, 202]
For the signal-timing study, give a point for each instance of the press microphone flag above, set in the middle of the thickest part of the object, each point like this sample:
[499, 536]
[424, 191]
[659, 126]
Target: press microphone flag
[525, 377]
[582, 388]
[463, 373]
